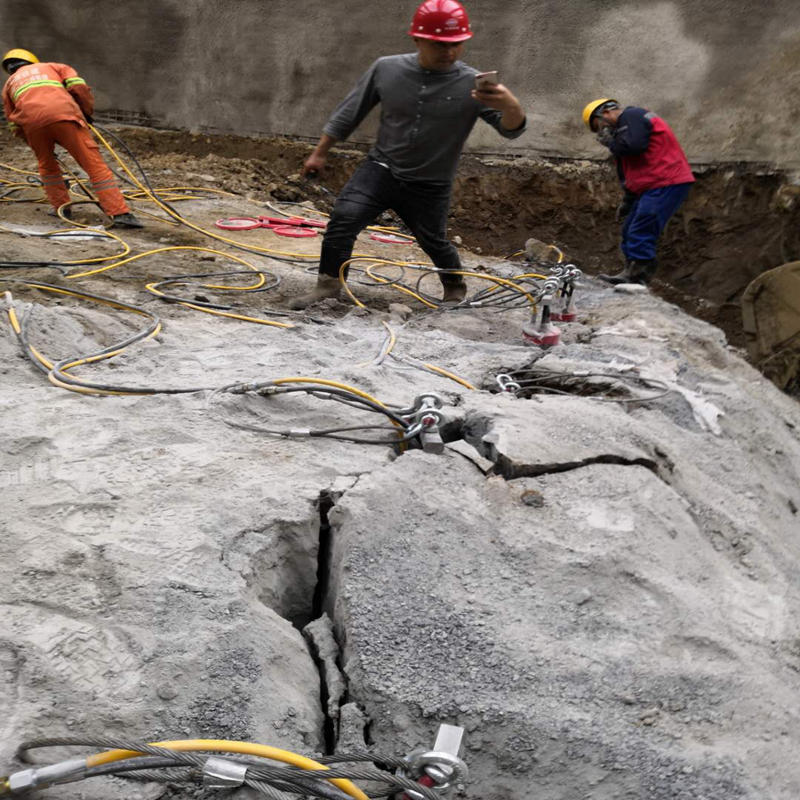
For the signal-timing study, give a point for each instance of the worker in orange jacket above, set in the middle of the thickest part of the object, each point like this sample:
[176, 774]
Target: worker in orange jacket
[49, 104]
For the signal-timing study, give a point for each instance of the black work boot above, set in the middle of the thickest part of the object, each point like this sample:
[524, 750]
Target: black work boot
[126, 220]
[624, 276]
[327, 286]
[642, 271]
[454, 288]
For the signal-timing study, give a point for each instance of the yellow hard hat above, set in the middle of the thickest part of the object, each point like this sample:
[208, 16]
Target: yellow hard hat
[21, 55]
[592, 107]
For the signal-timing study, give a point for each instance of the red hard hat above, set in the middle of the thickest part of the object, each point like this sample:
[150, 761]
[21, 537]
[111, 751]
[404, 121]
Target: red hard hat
[442, 21]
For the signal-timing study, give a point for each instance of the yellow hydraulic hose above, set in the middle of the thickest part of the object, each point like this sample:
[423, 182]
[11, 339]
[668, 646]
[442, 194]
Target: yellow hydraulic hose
[392, 338]
[385, 351]
[186, 222]
[165, 250]
[140, 195]
[12, 318]
[336, 384]
[215, 312]
[464, 273]
[151, 287]
[374, 262]
[108, 234]
[450, 375]
[529, 275]
[226, 746]
[17, 169]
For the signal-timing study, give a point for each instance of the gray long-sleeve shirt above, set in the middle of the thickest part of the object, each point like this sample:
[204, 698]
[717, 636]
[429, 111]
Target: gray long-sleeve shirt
[426, 116]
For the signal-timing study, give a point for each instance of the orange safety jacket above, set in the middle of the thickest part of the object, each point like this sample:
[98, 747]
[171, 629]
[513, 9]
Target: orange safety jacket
[39, 94]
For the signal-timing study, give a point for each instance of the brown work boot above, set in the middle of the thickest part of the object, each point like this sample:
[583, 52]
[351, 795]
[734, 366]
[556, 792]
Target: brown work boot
[326, 287]
[454, 290]
[625, 276]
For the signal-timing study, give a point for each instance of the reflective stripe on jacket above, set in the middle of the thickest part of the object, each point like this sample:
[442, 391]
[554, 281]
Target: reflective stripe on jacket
[650, 156]
[39, 94]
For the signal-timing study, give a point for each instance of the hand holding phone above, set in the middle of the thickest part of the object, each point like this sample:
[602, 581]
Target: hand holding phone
[486, 80]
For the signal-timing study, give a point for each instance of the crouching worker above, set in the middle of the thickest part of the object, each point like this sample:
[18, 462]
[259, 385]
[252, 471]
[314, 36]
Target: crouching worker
[655, 176]
[429, 102]
[49, 104]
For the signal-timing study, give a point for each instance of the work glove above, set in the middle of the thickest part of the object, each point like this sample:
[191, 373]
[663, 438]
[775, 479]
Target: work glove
[89, 118]
[605, 136]
[625, 206]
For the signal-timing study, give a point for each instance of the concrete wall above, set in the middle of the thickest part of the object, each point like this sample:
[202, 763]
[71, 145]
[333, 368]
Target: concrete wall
[724, 73]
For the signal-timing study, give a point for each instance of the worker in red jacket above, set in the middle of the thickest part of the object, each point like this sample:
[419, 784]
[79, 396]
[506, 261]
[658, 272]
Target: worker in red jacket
[655, 175]
[49, 104]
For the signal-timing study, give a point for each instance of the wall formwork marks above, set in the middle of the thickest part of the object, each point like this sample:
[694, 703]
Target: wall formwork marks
[725, 75]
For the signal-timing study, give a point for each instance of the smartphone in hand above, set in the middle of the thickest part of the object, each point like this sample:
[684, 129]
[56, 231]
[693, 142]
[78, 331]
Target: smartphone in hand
[486, 80]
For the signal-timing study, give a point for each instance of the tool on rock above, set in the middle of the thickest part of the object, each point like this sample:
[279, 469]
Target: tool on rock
[439, 769]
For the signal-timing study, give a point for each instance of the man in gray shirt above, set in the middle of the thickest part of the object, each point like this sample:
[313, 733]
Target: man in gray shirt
[429, 104]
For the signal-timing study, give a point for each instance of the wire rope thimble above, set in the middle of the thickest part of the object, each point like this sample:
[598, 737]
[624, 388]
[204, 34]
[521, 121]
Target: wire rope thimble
[429, 417]
[507, 383]
[439, 769]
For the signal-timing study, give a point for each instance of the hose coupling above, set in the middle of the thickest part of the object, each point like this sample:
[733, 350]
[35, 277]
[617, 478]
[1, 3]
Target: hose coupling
[241, 388]
[264, 391]
[63, 772]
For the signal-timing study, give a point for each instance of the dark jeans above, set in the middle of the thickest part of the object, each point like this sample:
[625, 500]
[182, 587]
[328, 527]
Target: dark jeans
[647, 219]
[371, 190]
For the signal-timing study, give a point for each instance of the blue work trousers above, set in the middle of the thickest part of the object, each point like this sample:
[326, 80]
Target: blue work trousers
[647, 219]
[373, 189]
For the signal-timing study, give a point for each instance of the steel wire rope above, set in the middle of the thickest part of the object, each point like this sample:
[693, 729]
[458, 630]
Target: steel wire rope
[332, 390]
[301, 775]
[124, 750]
[579, 377]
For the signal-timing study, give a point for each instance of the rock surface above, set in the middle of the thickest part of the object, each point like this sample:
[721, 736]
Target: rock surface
[611, 610]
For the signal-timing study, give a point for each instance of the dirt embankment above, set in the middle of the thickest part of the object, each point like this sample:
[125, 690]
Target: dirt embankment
[738, 222]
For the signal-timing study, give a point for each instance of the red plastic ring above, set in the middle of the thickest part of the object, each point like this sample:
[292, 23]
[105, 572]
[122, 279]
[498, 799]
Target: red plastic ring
[294, 231]
[238, 223]
[387, 238]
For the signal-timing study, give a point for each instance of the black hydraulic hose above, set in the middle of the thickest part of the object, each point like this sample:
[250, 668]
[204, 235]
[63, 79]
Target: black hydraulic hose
[269, 388]
[185, 280]
[26, 346]
[59, 265]
[57, 370]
